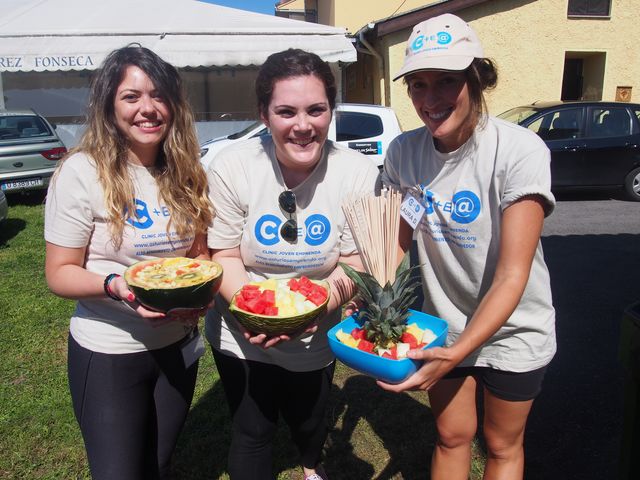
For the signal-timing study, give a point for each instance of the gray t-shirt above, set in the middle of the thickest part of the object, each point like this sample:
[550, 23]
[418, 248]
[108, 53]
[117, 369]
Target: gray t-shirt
[75, 217]
[458, 238]
[245, 182]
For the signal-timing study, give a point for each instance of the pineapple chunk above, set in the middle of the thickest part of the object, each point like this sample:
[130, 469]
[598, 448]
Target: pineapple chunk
[382, 351]
[347, 339]
[428, 336]
[270, 284]
[177, 261]
[415, 330]
[287, 311]
[402, 349]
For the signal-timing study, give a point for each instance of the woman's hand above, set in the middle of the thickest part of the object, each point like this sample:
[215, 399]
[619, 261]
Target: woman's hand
[262, 339]
[351, 307]
[189, 316]
[118, 287]
[438, 361]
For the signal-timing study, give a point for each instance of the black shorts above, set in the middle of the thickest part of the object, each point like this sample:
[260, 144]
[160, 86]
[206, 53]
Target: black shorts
[511, 386]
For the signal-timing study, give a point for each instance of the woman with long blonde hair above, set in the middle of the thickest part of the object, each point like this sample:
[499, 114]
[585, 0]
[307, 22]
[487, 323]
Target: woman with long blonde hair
[132, 190]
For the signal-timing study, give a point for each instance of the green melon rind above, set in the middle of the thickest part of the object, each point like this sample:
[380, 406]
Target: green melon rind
[271, 325]
[164, 299]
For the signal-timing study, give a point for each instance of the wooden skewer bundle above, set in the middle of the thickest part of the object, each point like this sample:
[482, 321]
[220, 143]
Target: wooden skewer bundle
[375, 222]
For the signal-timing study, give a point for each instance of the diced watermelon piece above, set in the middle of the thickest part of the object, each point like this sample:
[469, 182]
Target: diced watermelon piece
[293, 284]
[365, 345]
[241, 302]
[304, 290]
[319, 288]
[273, 311]
[407, 337]
[250, 293]
[358, 333]
[305, 282]
[250, 286]
[316, 298]
[269, 296]
[256, 305]
[393, 355]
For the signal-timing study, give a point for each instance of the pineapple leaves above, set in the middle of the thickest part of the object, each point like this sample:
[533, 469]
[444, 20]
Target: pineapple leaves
[368, 287]
[385, 309]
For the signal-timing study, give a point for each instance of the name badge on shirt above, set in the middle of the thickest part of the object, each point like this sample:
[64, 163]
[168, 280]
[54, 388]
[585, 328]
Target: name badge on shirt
[412, 210]
[192, 350]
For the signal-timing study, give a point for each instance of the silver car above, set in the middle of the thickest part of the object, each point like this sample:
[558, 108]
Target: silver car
[29, 150]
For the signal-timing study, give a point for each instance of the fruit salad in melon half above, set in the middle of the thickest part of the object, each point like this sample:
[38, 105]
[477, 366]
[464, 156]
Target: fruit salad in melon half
[280, 306]
[163, 284]
[413, 337]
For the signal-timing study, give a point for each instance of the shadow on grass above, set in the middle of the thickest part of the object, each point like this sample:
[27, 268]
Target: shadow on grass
[202, 448]
[575, 427]
[35, 197]
[403, 425]
[11, 227]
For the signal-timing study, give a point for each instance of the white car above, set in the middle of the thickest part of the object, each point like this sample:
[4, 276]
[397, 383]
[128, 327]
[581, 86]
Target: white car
[366, 128]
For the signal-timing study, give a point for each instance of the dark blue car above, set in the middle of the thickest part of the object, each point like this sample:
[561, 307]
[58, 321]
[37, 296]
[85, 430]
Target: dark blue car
[593, 144]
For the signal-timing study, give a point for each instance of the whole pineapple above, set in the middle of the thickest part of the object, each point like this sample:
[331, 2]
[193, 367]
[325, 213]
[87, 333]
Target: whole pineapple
[386, 309]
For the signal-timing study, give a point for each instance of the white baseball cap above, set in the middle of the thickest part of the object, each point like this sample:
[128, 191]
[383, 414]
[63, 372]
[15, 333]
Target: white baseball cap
[445, 42]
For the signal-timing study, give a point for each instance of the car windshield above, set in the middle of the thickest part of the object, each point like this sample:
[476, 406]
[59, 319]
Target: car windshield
[22, 126]
[242, 133]
[518, 114]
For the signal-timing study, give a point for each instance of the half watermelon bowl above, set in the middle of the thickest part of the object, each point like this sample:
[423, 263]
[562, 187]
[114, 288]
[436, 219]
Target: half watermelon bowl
[163, 284]
[373, 365]
[278, 324]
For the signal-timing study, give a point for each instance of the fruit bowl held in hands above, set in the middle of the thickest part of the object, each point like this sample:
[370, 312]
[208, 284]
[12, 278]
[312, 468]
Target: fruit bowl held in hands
[385, 369]
[164, 284]
[280, 306]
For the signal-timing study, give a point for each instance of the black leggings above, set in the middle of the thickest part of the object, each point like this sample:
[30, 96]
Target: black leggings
[257, 394]
[130, 408]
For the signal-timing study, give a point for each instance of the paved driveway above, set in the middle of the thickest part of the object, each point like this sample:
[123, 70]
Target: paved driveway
[592, 248]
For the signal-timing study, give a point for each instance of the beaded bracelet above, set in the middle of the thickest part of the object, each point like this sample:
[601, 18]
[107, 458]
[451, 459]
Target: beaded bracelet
[107, 290]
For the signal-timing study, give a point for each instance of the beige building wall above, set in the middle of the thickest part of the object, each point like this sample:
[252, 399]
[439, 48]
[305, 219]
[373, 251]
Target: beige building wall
[528, 40]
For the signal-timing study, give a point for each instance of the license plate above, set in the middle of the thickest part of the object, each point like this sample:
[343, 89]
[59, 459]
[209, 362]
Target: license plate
[26, 183]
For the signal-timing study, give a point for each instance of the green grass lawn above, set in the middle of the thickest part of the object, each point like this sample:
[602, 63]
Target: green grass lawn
[374, 434]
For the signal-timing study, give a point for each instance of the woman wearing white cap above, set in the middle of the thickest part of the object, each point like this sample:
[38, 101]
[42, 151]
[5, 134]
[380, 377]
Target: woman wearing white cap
[485, 188]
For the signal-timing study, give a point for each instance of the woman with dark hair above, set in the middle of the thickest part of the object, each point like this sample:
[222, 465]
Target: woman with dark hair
[278, 201]
[132, 190]
[485, 187]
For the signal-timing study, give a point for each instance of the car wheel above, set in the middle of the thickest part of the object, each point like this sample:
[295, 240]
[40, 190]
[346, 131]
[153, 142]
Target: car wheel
[632, 185]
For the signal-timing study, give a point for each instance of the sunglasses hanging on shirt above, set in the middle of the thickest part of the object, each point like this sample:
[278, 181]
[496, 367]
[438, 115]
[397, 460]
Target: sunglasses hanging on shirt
[289, 229]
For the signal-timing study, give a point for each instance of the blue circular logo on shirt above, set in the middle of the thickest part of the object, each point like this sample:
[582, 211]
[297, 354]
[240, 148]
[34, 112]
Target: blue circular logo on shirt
[466, 207]
[317, 228]
[266, 229]
[141, 218]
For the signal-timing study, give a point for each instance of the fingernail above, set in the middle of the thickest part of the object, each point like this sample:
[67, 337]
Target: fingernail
[131, 297]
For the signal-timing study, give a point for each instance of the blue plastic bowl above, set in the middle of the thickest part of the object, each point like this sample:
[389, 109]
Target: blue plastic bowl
[385, 369]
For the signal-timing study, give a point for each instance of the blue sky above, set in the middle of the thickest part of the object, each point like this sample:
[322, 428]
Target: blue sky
[259, 6]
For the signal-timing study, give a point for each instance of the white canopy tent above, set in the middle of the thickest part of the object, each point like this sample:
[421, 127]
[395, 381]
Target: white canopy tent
[63, 35]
